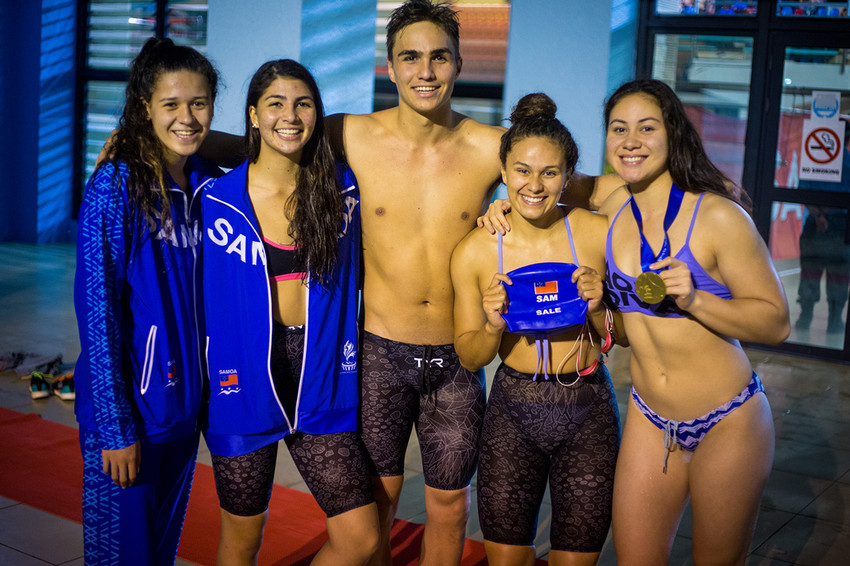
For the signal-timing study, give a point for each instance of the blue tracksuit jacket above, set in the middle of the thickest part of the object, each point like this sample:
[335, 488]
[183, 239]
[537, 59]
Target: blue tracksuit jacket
[139, 371]
[238, 321]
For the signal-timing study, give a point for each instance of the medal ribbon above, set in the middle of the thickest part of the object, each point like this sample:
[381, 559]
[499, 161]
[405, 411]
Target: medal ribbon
[647, 256]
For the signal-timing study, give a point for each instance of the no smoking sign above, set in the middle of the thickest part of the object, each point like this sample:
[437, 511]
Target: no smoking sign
[823, 145]
[822, 151]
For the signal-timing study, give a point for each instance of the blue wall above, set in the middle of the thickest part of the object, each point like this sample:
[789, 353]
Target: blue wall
[56, 121]
[36, 120]
[20, 37]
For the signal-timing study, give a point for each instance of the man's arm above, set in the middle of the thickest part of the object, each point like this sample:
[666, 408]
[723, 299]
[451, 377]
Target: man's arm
[589, 192]
[583, 191]
[223, 149]
[334, 129]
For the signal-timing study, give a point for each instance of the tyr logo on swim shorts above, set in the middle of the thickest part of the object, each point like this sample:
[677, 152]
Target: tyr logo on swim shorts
[431, 362]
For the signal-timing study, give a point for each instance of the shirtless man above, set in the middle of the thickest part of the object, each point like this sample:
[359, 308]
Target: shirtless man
[424, 172]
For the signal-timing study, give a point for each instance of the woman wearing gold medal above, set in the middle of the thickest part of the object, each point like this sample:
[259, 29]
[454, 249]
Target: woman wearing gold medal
[692, 277]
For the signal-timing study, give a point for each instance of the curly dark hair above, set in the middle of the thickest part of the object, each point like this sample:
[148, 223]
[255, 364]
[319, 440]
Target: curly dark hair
[413, 11]
[534, 116]
[689, 165]
[315, 209]
[135, 142]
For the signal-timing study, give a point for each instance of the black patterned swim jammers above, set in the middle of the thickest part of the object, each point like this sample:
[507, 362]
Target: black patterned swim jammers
[536, 431]
[425, 385]
[334, 466]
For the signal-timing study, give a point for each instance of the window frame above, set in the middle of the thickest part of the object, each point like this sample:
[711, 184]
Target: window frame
[85, 75]
[770, 33]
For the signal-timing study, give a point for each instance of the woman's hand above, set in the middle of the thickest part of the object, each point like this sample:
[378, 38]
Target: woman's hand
[494, 219]
[590, 287]
[122, 464]
[108, 150]
[677, 278]
[494, 301]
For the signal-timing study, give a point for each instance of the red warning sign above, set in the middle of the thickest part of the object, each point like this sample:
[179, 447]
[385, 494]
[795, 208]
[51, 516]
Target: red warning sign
[822, 152]
[823, 145]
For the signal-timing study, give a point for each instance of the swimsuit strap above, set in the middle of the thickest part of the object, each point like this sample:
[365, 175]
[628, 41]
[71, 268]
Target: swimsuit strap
[622, 208]
[608, 249]
[693, 221]
[501, 267]
[572, 244]
[569, 237]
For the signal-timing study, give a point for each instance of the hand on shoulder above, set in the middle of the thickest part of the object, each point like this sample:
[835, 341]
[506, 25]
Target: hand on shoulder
[590, 192]
[605, 187]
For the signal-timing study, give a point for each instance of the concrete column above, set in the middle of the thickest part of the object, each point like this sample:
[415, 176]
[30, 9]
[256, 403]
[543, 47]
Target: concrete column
[338, 46]
[335, 39]
[564, 48]
[241, 36]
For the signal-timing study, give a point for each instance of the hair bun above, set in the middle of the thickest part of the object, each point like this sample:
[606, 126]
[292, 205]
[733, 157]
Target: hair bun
[152, 46]
[534, 106]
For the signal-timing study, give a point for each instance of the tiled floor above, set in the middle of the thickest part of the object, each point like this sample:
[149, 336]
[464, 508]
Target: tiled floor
[805, 515]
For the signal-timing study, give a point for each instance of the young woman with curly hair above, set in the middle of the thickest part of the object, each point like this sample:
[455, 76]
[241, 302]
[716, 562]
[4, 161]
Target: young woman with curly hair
[139, 380]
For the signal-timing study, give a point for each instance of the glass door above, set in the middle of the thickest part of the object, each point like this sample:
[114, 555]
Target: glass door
[806, 167]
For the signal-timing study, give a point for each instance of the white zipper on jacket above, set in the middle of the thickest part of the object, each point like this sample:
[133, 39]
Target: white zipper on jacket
[270, 318]
[203, 360]
[148, 366]
[304, 353]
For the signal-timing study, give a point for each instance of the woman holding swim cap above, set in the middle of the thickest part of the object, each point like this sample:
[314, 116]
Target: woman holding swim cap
[552, 415]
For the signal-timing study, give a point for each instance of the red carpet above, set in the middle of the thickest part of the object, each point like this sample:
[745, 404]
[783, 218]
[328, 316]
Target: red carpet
[41, 466]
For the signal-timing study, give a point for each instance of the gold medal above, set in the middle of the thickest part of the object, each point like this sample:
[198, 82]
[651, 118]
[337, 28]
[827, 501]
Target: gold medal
[650, 287]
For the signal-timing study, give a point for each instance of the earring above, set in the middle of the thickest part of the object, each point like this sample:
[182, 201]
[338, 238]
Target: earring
[255, 126]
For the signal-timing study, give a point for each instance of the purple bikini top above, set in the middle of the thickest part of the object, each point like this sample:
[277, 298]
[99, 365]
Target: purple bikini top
[621, 286]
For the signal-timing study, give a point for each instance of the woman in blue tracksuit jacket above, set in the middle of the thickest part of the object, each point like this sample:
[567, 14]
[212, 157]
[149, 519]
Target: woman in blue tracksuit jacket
[139, 380]
[280, 263]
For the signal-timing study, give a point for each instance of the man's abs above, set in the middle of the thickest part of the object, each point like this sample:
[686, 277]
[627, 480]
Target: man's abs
[408, 296]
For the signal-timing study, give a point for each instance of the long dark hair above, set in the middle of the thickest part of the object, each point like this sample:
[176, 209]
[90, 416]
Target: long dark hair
[314, 209]
[135, 142]
[689, 165]
[534, 116]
